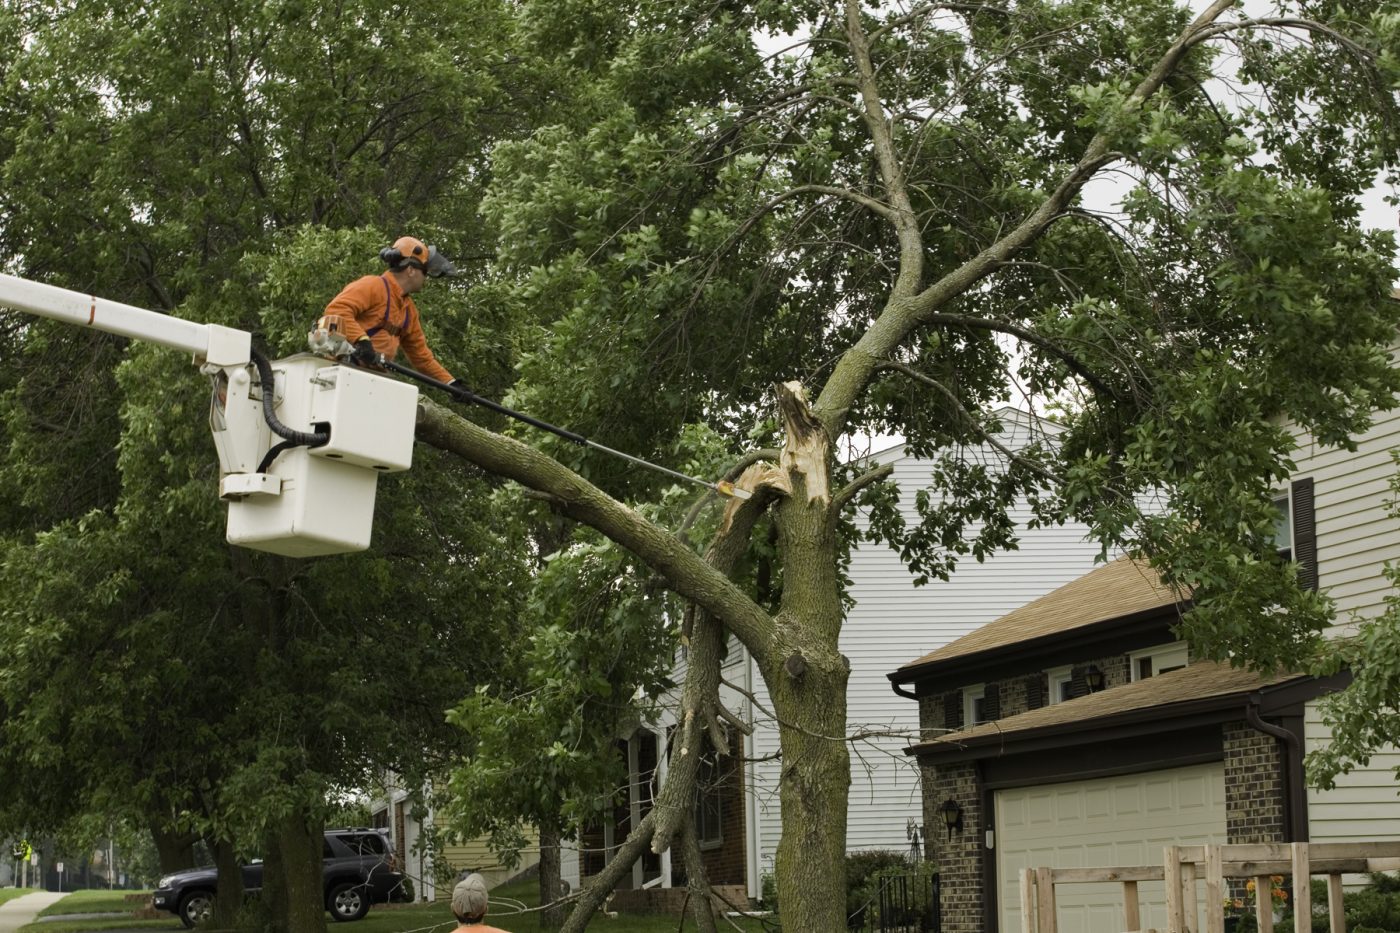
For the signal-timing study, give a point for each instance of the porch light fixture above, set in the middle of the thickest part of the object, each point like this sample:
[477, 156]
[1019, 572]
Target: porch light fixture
[1093, 679]
[952, 816]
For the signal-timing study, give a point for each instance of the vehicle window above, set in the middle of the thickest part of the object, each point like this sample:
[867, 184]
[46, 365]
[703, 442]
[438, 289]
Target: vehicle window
[326, 850]
[365, 844]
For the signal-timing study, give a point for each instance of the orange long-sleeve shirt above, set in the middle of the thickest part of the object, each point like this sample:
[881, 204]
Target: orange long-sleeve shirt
[376, 307]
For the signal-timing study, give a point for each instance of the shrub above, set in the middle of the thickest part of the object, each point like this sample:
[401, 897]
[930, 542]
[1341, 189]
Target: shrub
[862, 872]
[1373, 909]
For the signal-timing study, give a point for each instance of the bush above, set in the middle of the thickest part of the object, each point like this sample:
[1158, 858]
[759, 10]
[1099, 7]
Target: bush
[1373, 909]
[864, 873]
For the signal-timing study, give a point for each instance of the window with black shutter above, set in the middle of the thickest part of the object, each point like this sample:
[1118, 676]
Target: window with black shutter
[952, 710]
[991, 703]
[1035, 691]
[1304, 532]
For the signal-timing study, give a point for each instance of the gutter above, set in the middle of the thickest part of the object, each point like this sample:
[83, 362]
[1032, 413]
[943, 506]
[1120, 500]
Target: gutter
[1295, 822]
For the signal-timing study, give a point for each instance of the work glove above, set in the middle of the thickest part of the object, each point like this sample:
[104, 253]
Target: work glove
[459, 388]
[364, 353]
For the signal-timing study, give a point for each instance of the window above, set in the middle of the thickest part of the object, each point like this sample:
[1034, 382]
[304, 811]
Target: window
[974, 705]
[1283, 527]
[1295, 529]
[1159, 660]
[709, 803]
[1061, 684]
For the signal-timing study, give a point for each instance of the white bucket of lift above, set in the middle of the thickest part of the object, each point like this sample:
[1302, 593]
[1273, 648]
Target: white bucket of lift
[315, 501]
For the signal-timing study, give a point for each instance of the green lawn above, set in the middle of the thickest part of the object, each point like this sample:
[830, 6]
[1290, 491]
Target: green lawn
[96, 901]
[509, 911]
[9, 894]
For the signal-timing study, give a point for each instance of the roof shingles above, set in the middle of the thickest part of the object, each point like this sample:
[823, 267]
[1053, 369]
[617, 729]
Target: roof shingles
[1115, 590]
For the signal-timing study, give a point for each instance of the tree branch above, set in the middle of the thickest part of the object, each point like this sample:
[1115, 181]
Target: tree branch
[904, 313]
[911, 244]
[853, 488]
[685, 571]
[697, 880]
[1029, 336]
[730, 475]
[987, 438]
[927, 8]
[602, 884]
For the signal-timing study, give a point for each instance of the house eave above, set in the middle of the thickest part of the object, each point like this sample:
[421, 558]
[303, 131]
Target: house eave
[1021, 657]
[1274, 700]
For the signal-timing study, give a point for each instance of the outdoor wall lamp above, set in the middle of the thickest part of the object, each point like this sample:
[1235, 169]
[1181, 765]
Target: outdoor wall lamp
[1093, 679]
[952, 816]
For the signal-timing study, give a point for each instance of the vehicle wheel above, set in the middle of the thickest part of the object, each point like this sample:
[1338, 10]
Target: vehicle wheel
[347, 900]
[196, 907]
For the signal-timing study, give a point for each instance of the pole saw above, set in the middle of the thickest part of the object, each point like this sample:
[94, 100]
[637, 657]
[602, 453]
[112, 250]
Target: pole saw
[723, 487]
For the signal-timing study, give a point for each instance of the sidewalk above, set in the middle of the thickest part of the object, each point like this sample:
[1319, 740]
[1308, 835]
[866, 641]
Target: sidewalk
[16, 913]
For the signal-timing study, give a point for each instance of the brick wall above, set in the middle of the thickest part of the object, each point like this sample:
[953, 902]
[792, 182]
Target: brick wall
[959, 854]
[1254, 789]
[725, 864]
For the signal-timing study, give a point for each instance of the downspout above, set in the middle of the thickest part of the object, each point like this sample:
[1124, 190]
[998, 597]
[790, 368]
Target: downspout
[1295, 824]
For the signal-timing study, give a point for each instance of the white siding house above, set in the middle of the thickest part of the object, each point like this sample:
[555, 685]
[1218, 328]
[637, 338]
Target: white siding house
[892, 621]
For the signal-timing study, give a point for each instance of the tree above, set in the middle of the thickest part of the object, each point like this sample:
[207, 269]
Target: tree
[234, 166]
[889, 228]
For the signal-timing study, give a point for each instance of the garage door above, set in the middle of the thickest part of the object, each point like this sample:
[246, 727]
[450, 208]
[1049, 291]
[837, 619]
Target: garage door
[1102, 823]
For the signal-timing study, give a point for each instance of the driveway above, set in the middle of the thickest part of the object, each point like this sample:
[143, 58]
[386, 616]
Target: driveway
[16, 913]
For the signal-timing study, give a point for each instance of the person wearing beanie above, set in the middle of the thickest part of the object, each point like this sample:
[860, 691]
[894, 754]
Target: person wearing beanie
[469, 902]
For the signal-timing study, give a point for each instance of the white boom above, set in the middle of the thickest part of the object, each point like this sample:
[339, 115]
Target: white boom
[296, 500]
[207, 343]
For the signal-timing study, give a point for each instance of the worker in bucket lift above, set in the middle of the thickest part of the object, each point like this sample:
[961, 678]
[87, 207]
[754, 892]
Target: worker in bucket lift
[376, 314]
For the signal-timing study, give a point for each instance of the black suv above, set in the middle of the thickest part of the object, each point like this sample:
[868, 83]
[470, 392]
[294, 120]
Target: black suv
[357, 867]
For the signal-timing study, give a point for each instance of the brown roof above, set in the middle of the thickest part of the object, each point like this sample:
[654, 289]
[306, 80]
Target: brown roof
[1121, 588]
[1199, 681]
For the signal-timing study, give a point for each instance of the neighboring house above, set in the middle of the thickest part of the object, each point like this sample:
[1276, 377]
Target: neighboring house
[409, 827]
[738, 817]
[1076, 732]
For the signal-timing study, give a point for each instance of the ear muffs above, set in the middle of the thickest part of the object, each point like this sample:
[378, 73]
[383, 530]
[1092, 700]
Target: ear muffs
[407, 249]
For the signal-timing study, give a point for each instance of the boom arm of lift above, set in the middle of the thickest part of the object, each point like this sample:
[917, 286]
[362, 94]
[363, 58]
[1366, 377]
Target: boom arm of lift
[295, 500]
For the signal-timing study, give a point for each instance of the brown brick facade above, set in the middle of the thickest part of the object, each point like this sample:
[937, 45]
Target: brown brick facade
[1254, 785]
[1254, 775]
[957, 853]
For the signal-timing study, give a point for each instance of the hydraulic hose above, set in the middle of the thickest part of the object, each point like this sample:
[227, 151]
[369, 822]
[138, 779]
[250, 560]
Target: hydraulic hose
[292, 438]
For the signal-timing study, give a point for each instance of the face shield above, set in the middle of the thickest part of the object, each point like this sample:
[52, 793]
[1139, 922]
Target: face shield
[438, 266]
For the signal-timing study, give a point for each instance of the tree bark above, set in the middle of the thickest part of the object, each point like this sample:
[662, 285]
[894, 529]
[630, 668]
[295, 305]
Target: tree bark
[228, 894]
[302, 909]
[597, 890]
[806, 676]
[551, 884]
[174, 849]
[697, 881]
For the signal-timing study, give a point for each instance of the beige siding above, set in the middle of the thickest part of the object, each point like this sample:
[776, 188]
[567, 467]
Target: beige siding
[1356, 535]
[1364, 805]
[475, 855]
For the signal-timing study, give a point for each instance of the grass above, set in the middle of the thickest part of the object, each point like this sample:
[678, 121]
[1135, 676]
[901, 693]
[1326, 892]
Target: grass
[9, 894]
[96, 901]
[508, 902]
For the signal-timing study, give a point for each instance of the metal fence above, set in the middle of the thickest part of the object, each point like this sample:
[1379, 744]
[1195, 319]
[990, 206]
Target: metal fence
[907, 902]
